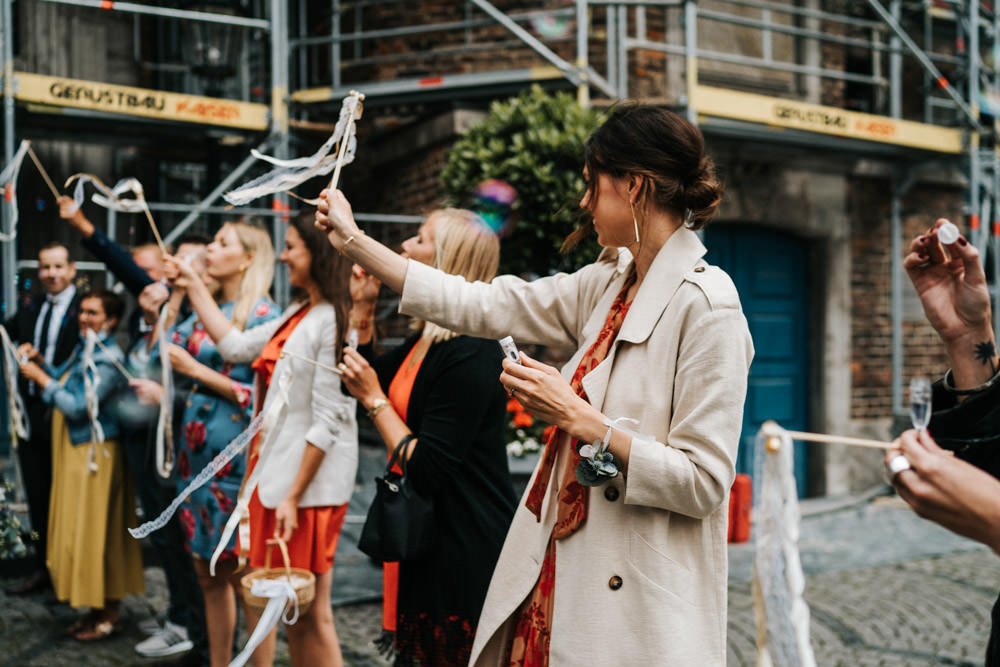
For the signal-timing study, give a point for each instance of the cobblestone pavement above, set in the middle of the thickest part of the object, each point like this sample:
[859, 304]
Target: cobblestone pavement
[884, 588]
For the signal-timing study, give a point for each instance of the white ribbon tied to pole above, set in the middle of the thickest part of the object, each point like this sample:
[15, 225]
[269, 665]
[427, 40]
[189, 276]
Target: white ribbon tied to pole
[109, 197]
[274, 420]
[164, 425]
[19, 424]
[8, 182]
[91, 381]
[282, 597]
[778, 582]
[290, 173]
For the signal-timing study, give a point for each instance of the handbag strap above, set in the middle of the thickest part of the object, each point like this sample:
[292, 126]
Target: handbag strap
[397, 454]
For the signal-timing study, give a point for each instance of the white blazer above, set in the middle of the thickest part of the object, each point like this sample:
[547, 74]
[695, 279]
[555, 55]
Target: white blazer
[318, 411]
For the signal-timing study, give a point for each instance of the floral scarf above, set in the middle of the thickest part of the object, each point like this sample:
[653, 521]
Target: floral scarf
[530, 644]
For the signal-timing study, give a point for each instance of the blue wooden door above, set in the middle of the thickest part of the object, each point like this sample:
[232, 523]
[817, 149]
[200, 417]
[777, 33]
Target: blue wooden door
[770, 270]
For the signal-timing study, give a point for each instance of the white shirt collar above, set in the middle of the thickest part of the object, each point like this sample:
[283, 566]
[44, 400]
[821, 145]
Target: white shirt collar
[63, 298]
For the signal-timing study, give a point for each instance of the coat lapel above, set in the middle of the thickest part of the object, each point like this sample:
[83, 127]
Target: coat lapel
[678, 255]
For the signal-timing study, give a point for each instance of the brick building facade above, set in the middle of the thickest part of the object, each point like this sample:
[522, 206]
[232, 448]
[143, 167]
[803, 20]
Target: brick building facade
[831, 198]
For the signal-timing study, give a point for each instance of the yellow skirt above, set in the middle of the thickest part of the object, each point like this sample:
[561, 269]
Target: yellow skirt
[91, 558]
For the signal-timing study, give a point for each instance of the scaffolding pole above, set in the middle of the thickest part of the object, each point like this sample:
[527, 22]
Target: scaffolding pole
[9, 247]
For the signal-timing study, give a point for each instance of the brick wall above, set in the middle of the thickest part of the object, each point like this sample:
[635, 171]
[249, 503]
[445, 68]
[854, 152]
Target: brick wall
[871, 318]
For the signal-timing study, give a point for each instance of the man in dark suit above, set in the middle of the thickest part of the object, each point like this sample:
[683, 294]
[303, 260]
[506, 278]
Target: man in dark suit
[48, 321]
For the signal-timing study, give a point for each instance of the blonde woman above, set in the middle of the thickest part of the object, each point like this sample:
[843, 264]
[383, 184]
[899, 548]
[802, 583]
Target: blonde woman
[438, 395]
[241, 262]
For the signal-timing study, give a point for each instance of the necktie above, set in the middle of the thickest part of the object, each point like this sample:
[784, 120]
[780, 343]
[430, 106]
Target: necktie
[43, 338]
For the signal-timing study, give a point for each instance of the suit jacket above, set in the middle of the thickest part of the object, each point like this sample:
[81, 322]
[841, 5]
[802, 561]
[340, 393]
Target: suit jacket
[318, 411]
[647, 571]
[21, 327]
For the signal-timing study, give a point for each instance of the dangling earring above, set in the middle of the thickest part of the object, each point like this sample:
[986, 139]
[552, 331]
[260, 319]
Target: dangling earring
[635, 223]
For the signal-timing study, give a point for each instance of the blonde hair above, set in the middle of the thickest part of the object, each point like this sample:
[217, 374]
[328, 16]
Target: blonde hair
[257, 278]
[463, 246]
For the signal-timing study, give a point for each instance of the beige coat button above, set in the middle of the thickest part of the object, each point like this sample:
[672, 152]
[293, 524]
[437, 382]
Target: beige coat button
[615, 582]
[611, 493]
[699, 269]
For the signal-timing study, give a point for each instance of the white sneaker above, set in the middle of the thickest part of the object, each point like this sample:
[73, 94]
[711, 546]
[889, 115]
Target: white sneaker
[171, 639]
[149, 626]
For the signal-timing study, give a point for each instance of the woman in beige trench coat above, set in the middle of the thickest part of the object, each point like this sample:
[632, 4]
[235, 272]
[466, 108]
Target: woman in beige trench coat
[602, 568]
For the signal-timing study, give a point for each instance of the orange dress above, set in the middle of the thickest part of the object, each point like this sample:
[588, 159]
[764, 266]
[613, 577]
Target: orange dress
[314, 542]
[399, 396]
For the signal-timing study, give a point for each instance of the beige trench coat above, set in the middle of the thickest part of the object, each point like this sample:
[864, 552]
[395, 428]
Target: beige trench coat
[643, 581]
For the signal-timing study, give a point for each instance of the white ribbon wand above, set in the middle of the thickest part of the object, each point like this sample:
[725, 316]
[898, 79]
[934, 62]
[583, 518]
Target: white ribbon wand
[8, 181]
[290, 173]
[109, 198]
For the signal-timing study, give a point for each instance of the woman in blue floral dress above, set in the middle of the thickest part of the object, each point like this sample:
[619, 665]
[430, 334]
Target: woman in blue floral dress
[218, 408]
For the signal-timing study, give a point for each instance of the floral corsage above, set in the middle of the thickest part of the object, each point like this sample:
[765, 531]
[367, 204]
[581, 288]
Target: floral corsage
[597, 464]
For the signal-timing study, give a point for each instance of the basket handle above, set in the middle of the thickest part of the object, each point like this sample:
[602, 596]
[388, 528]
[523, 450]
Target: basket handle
[284, 554]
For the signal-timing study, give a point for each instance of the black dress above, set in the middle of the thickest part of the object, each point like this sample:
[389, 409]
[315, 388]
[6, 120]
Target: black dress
[972, 430]
[457, 410]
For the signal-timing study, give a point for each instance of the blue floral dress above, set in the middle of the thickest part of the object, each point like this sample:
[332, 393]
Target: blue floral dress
[210, 422]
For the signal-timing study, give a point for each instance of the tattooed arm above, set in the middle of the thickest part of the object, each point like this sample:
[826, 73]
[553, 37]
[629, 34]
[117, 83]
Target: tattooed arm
[952, 288]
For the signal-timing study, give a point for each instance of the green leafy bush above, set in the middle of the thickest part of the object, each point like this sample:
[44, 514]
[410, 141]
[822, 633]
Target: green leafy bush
[534, 142]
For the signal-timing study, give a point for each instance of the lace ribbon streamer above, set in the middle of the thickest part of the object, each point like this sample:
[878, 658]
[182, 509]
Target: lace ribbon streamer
[8, 182]
[778, 582]
[109, 197]
[282, 598]
[164, 426]
[18, 416]
[271, 428]
[235, 446]
[91, 381]
[290, 173]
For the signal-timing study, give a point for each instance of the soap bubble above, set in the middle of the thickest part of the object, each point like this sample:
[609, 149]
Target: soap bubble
[494, 202]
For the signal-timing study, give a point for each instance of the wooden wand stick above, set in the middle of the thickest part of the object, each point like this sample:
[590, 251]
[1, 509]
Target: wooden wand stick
[41, 170]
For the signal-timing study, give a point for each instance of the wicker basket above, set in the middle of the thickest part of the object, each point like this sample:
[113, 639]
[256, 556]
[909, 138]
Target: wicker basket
[304, 581]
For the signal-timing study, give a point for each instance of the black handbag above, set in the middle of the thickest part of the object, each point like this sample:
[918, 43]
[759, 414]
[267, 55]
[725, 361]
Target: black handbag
[400, 522]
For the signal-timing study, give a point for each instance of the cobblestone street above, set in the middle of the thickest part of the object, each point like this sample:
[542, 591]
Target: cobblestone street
[884, 588]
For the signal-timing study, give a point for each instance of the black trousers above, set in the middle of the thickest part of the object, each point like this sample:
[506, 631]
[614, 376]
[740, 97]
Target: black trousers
[187, 606]
[35, 457]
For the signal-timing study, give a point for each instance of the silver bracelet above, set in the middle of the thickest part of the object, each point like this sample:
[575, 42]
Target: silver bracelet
[949, 385]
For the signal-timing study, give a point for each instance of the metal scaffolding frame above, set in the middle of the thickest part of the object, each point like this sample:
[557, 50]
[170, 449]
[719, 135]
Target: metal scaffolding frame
[588, 45]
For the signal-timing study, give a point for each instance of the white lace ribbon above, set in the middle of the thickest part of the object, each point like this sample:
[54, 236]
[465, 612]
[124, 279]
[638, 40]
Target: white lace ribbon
[235, 446]
[18, 416]
[282, 597]
[274, 420]
[778, 582]
[8, 183]
[91, 382]
[164, 425]
[290, 173]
